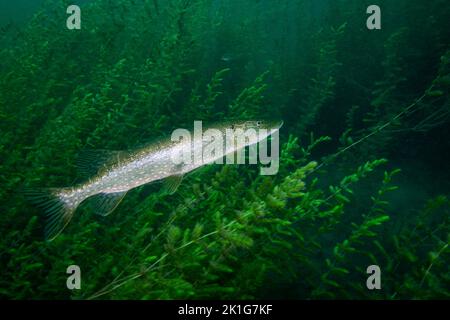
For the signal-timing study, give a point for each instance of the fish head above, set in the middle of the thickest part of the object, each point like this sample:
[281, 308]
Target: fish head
[261, 127]
[259, 124]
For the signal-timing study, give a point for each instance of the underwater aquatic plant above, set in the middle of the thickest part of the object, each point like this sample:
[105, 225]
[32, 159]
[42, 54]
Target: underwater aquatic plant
[139, 68]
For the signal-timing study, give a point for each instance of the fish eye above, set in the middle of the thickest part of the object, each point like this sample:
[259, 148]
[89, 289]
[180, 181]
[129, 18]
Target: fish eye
[258, 123]
[232, 127]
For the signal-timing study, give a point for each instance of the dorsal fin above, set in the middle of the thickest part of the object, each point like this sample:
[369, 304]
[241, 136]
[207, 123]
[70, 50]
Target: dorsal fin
[92, 161]
[105, 203]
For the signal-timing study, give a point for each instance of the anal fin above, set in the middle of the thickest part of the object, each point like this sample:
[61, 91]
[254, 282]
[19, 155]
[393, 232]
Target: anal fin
[105, 203]
[171, 184]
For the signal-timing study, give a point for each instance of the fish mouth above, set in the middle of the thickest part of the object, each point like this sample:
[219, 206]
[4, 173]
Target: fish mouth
[279, 124]
[275, 124]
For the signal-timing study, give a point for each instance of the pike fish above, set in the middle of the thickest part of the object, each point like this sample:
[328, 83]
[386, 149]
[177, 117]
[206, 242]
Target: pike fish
[111, 174]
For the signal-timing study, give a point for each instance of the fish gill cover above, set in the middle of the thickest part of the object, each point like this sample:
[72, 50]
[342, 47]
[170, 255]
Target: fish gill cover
[363, 183]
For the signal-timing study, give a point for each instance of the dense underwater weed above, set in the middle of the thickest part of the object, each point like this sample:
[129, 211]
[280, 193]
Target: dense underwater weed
[137, 70]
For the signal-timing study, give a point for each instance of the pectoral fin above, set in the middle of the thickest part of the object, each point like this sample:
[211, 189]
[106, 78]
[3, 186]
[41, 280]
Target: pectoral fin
[105, 203]
[171, 184]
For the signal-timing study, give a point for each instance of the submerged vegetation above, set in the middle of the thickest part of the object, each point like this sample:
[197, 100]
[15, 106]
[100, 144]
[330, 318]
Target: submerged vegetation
[364, 164]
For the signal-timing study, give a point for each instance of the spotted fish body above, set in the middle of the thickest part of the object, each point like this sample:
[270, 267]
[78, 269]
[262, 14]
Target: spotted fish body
[114, 173]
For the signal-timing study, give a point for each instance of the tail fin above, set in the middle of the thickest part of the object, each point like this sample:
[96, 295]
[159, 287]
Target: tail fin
[58, 212]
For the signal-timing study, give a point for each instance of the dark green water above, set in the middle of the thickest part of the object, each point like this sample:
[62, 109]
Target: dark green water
[364, 173]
